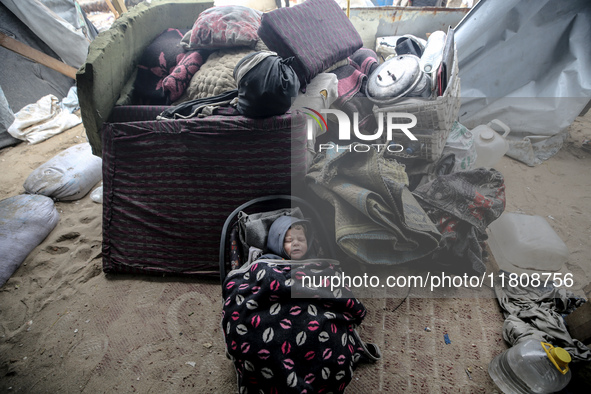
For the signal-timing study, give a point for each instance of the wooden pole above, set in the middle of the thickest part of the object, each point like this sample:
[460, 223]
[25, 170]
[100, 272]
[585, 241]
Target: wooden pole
[120, 6]
[37, 56]
[113, 10]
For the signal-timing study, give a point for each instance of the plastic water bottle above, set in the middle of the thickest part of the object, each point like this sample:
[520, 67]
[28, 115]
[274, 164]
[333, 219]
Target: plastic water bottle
[490, 145]
[413, 149]
[433, 53]
[526, 242]
[531, 366]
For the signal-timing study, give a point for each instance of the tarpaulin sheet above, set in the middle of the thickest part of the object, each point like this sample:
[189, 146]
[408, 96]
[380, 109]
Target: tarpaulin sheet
[23, 81]
[66, 38]
[527, 63]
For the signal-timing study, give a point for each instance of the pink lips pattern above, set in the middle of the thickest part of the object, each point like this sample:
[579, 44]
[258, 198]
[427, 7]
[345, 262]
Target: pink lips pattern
[281, 343]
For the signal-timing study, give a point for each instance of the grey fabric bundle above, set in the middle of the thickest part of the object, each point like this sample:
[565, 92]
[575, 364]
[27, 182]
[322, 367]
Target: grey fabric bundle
[536, 312]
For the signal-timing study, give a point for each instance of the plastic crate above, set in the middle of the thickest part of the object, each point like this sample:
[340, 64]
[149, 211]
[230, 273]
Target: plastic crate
[435, 118]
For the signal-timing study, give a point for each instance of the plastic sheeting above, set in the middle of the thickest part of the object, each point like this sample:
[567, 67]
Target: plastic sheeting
[58, 24]
[6, 118]
[528, 63]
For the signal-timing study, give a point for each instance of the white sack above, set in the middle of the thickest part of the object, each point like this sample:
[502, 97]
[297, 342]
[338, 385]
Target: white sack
[25, 221]
[68, 176]
[97, 194]
[41, 120]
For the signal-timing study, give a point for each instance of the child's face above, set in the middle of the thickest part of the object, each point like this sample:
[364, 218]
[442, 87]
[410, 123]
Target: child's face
[295, 243]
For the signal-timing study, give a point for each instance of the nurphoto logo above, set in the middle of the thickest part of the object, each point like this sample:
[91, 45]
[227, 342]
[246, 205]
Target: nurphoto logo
[345, 126]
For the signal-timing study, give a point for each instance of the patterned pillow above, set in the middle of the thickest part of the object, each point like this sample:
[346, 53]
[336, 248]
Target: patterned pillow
[226, 26]
[176, 83]
[157, 61]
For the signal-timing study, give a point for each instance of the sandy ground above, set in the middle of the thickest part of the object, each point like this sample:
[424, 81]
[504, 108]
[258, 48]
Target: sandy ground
[67, 327]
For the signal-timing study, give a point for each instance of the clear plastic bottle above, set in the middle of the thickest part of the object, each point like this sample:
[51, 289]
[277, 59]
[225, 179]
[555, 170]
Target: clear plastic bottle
[530, 367]
[526, 242]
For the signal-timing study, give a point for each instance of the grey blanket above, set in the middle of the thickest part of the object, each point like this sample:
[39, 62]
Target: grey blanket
[532, 312]
[377, 219]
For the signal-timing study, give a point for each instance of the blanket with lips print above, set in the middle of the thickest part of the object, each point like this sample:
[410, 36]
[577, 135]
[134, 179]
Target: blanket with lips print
[287, 338]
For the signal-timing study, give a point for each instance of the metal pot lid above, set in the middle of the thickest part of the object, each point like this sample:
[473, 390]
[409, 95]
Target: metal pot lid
[395, 77]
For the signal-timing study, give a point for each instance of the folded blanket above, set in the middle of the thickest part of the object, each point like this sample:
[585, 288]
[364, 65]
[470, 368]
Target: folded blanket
[352, 80]
[377, 219]
[165, 69]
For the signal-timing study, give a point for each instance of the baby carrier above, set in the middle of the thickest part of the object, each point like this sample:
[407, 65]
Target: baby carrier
[284, 337]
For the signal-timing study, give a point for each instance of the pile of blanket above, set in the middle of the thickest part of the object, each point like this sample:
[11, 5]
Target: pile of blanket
[387, 210]
[180, 66]
[378, 220]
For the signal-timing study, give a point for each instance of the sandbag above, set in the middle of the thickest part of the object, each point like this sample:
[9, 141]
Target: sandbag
[67, 176]
[25, 221]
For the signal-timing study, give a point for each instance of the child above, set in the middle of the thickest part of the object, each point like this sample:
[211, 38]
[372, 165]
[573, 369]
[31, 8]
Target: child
[289, 239]
[281, 343]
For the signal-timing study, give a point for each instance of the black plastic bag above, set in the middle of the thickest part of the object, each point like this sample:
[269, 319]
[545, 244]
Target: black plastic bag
[266, 84]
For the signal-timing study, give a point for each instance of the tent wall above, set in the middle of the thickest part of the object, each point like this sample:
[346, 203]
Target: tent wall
[67, 39]
[374, 22]
[23, 81]
[6, 119]
[527, 63]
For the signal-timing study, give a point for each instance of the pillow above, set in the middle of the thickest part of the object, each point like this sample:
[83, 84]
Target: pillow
[157, 61]
[216, 75]
[224, 27]
[177, 82]
[317, 33]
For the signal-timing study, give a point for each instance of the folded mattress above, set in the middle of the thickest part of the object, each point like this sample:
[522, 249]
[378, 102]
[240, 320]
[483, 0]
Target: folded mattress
[169, 185]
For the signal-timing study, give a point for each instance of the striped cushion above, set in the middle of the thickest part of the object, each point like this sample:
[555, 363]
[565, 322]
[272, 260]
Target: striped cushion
[169, 185]
[317, 32]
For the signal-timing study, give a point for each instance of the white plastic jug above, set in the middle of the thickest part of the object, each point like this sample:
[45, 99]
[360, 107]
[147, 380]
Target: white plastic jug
[527, 242]
[490, 146]
[531, 366]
